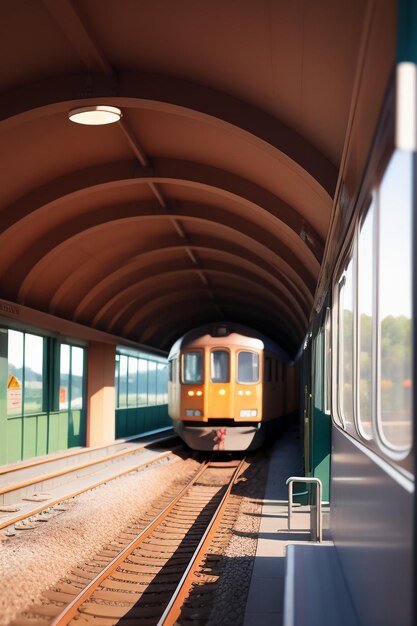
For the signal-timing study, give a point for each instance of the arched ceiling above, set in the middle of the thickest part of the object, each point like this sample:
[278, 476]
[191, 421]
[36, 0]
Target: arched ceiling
[211, 198]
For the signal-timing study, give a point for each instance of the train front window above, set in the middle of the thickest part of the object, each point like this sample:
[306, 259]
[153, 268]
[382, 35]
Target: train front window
[247, 367]
[192, 368]
[219, 366]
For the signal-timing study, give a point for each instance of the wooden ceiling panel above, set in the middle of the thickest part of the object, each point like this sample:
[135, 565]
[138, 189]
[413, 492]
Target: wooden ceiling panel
[211, 199]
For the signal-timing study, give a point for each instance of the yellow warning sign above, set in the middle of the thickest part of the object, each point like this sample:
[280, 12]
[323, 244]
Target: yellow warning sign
[14, 395]
[13, 382]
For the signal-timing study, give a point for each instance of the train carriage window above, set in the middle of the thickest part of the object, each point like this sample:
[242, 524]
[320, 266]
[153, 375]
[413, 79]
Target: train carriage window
[394, 302]
[171, 371]
[268, 370]
[365, 322]
[247, 367]
[345, 357]
[192, 368]
[219, 366]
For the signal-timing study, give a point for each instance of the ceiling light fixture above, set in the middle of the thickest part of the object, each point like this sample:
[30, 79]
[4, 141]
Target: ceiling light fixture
[95, 115]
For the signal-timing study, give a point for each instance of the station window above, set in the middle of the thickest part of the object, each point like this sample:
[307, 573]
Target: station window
[122, 387]
[25, 373]
[71, 377]
[192, 368]
[132, 382]
[219, 366]
[395, 312]
[162, 383]
[345, 360]
[143, 382]
[140, 382]
[365, 322]
[247, 367]
[152, 383]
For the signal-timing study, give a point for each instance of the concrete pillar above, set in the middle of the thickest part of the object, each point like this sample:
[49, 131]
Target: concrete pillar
[100, 394]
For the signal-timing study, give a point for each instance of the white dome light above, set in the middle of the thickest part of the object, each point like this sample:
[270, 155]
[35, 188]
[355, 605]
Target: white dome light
[95, 115]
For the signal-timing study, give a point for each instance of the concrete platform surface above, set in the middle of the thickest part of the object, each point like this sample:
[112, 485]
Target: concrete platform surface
[265, 602]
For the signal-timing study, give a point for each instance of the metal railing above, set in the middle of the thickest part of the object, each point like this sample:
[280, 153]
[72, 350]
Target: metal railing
[316, 526]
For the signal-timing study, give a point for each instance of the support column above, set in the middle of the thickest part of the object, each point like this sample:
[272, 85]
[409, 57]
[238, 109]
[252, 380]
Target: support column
[3, 395]
[101, 416]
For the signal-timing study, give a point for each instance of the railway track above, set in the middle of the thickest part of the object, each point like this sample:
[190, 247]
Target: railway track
[27, 511]
[148, 578]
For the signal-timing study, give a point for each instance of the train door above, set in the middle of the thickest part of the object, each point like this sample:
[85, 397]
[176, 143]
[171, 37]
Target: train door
[320, 423]
[219, 400]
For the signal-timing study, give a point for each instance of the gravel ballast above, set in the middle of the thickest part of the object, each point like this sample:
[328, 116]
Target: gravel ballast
[34, 560]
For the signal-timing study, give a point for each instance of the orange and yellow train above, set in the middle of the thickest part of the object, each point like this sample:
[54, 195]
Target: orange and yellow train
[228, 387]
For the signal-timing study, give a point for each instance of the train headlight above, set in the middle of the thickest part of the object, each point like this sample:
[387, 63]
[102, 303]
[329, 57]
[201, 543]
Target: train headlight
[240, 392]
[222, 392]
[193, 413]
[248, 392]
[249, 413]
[190, 393]
[199, 393]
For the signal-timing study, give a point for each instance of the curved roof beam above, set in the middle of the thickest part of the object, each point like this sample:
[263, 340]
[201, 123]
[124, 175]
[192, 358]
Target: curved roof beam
[148, 311]
[158, 92]
[99, 280]
[126, 301]
[152, 321]
[64, 233]
[295, 311]
[174, 326]
[122, 173]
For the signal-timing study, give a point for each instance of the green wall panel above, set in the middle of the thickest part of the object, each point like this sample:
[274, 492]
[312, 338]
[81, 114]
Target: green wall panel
[140, 420]
[29, 436]
[42, 435]
[14, 440]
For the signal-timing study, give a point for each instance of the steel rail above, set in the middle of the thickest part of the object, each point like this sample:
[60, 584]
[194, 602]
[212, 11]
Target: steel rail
[67, 470]
[67, 454]
[173, 610]
[71, 609]
[77, 492]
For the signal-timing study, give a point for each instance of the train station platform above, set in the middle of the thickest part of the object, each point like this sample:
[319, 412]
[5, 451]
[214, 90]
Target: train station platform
[265, 604]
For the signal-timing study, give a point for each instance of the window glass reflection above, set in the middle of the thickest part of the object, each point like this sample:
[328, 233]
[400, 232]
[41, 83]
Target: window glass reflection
[365, 321]
[123, 381]
[15, 373]
[33, 373]
[77, 371]
[193, 368]
[143, 382]
[345, 364]
[132, 383]
[247, 367]
[395, 331]
[219, 366]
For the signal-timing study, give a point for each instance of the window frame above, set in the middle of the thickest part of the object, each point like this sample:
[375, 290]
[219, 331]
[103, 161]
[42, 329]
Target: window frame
[182, 367]
[227, 380]
[239, 352]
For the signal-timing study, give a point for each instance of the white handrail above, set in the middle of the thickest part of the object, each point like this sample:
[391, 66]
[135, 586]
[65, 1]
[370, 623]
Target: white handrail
[317, 536]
